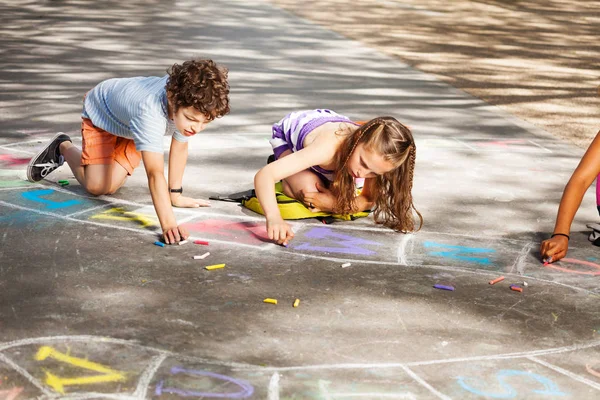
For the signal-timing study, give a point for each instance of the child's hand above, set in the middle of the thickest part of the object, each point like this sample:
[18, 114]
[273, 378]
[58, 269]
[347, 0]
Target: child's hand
[322, 200]
[174, 235]
[279, 230]
[188, 202]
[554, 249]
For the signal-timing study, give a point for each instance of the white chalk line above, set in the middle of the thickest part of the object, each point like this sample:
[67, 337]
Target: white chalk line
[519, 262]
[146, 377]
[25, 374]
[424, 383]
[150, 371]
[401, 252]
[4, 147]
[563, 371]
[273, 392]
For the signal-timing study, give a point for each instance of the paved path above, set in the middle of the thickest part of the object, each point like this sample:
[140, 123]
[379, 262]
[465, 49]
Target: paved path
[90, 308]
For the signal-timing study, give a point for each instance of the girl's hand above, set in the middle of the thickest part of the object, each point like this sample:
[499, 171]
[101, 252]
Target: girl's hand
[188, 202]
[174, 235]
[279, 230]
[554, 249]
[321, 200]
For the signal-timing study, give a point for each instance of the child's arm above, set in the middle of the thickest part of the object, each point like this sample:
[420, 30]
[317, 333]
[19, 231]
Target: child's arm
[265, 178]
[177, 160]
[323, 199]
[587, 170]
[154, 164]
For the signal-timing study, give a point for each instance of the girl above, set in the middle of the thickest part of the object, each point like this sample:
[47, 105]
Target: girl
[556, 247]
[320, 153]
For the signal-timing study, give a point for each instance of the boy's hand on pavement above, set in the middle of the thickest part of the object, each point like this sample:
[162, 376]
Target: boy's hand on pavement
[279, 230]
[188, 202]
[554, 249]
[174, 235]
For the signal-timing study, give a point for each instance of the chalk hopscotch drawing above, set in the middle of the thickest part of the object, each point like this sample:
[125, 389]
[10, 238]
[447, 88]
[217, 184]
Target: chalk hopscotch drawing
[184, 378]
[245, 388]
[594, 269]
[57, 383]
[36, 196]
[461, 253]
[325, 240]
[121, 214]
[241, 232]
[539, 385]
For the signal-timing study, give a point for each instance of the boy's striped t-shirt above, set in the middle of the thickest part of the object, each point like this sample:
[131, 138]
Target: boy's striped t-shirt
[133, 108]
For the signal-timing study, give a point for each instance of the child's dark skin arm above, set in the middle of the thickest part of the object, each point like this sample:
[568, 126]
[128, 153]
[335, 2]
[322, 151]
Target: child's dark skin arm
[154, 164]
[587, 170]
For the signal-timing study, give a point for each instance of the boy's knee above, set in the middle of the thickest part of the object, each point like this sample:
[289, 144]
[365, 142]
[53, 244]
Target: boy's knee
[97, 189]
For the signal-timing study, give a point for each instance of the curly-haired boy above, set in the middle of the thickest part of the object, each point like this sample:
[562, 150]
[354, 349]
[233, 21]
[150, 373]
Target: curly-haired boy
[124, 121]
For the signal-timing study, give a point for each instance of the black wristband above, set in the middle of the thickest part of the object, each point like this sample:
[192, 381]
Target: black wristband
[180, 190]
[561, 234]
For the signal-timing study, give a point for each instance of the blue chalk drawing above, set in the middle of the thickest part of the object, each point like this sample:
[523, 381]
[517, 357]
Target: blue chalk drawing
[458, 251]
[246, 388]
[550, 388]
[340, 243]
[35, 195]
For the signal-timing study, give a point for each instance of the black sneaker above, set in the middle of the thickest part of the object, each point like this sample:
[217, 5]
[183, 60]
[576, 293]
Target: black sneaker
[48, 159]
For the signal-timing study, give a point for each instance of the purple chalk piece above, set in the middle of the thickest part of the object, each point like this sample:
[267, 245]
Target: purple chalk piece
[444, 287]
[515, 286]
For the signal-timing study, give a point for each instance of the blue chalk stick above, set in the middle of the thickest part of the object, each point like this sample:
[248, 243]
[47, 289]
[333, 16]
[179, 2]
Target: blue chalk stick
[161, 244]
[444, 287]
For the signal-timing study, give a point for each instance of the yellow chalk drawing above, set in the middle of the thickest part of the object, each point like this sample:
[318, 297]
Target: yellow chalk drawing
[11, 394]
[58, 383]
[120, 214]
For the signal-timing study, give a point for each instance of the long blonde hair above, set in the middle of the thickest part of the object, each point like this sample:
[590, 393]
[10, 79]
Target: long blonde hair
[392, 191]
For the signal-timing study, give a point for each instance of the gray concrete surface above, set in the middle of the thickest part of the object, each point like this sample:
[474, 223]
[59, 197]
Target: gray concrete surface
[90, 308]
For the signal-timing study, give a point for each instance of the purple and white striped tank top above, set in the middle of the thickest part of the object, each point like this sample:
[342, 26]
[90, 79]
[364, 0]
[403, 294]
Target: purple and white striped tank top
[290, 132]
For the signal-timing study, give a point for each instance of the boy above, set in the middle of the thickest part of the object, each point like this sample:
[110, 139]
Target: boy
[124, 121]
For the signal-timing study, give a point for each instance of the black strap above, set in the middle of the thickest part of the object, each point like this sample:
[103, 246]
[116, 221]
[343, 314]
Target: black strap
[561, 234]
[180, 190]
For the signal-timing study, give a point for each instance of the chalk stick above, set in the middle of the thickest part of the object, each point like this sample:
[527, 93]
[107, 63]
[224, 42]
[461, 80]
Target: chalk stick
[161, 244]
[284, 244]
[444, 287]
[494, 281]
[346, 265]
[182, 242]
[216, 266]
[201, 242]
[270, 301]
[202, 257]
[525, 284]
[296, 303]
[516, 288]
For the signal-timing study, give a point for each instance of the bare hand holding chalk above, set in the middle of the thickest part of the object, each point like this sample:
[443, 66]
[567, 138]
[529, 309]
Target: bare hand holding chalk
[279, 230]
[174, 235]
[188, 202]
[554, 249]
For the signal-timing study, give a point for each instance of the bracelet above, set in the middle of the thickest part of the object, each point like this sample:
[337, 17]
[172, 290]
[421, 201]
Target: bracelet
[180, 190]
[561, 234]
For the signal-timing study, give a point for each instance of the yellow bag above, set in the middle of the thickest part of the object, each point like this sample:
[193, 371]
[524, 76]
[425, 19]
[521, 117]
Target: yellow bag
[293, 209]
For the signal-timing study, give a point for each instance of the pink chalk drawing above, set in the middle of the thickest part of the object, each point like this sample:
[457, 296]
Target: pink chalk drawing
[10, 394]
[241, 232]
[576, 271]
[593, 369]
[10, 160]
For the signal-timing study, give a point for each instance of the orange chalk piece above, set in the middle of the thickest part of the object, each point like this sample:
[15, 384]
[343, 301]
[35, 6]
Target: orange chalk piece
[270, 301]
[516, 289]
[216, 266]
[296, 303]
[494, 281]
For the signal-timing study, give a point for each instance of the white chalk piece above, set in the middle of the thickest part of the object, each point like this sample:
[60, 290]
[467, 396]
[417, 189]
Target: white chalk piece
[525, 284]
[346, 265]
[182, 242]
[202, 257]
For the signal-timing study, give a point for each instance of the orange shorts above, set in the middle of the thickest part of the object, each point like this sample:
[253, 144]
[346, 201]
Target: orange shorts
[101, 148]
